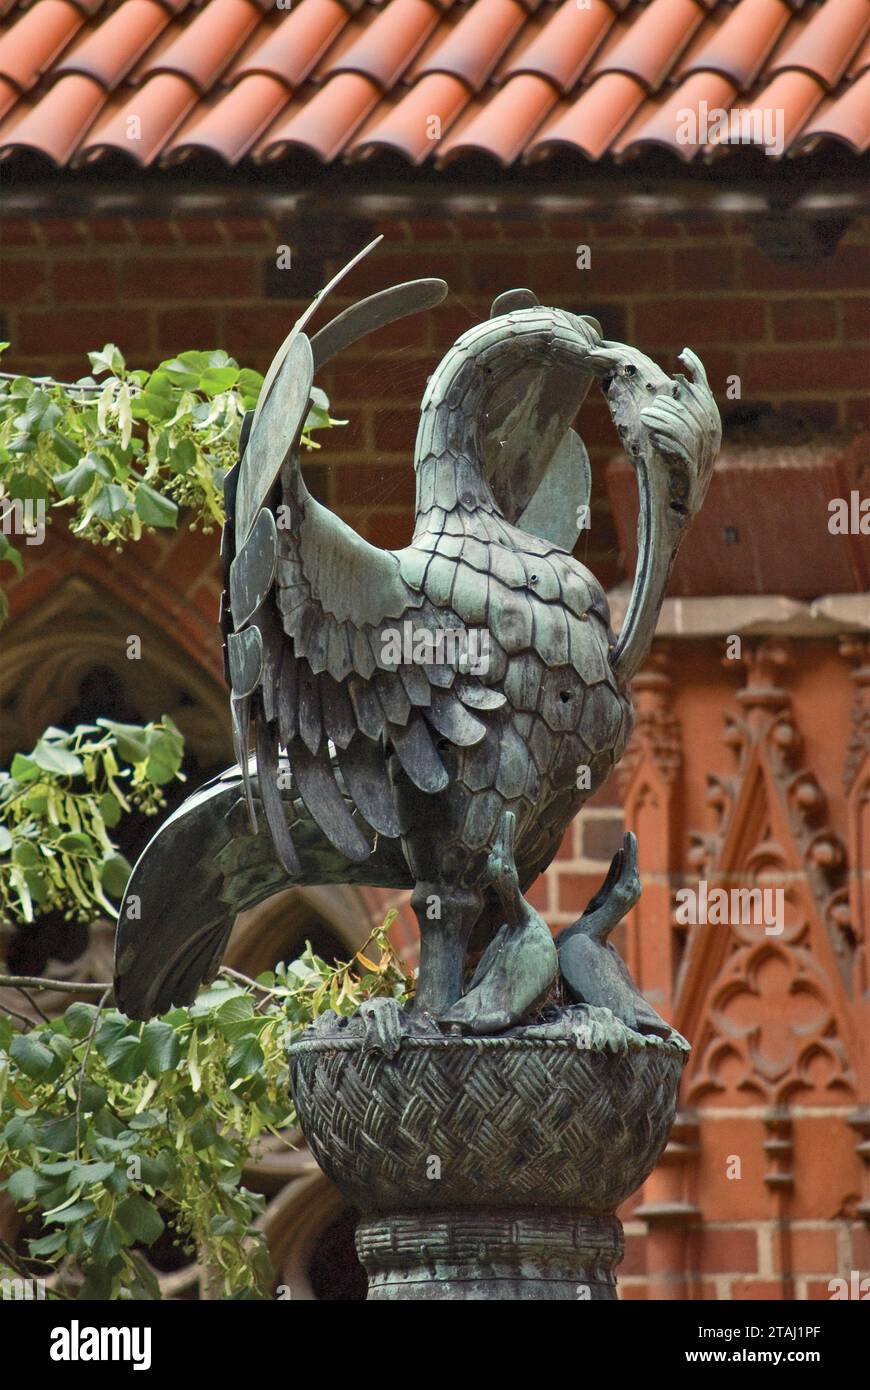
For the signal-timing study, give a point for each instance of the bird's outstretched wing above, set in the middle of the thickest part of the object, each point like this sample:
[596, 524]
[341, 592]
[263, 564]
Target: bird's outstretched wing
[324, 631]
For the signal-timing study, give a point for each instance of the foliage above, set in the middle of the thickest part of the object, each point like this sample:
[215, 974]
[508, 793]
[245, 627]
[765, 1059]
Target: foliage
[114, 1131]
[122, 455]
[58, 804]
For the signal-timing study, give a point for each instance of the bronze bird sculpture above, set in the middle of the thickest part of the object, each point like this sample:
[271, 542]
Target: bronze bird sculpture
[405, 702]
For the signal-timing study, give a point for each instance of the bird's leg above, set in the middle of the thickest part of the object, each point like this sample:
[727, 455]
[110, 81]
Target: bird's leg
[501, 872]
[446, 916]
[615, 898]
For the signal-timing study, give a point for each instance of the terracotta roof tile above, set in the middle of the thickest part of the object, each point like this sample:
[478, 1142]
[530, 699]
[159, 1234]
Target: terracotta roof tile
[566, 44]
[292, 50]
[826, 43]
[861, 59]
[387, 46]
[432, 81]
[593, 122]
[665, 123]
[29, 48]
[474, 47]
[416, 125]
[109, 52]
[8, 96]
[738, 48]
[234, 124]
[790, 100]
[141, 126]
[203, 49]
[503, 127]
[55, 125]
[326, 122]
[847, 120]
[652, 43]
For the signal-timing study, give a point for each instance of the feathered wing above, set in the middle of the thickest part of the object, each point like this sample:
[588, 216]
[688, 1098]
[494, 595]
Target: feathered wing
[332, 640]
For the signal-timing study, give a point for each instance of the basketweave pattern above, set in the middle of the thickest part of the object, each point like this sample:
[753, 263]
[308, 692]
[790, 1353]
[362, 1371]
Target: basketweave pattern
[538, 1124]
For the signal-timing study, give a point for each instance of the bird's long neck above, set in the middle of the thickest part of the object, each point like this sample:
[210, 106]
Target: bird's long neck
[476, 389]
[447, 458]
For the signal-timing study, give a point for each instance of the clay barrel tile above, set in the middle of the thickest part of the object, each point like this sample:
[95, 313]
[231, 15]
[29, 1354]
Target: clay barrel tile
[677, 124]
[824, 45]
[55, 125]
[566, 44]
[739, 48]
[473, 48]
[417, 123]
[205, 47]
[140, 126]
[326, 122]
[386, 46]
[505, 124]
[861, 59]
[232, 125]
[846, 120]
[592, 122]
[107, 54]
[294, 48]
[30, 47]
[652, 43]
[783, 107]
[8, 96]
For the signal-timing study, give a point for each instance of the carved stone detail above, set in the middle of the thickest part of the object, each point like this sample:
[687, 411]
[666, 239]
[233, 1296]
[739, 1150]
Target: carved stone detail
[772, 828]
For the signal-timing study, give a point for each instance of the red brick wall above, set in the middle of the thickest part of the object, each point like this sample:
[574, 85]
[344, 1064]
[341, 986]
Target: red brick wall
[792, 331]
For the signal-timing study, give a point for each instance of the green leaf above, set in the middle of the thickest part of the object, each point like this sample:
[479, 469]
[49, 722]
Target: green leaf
[125, 1062]
[47, 1245]
[59, 1135]
[76, 481]
[110, 502]
[5, 840]
[217, 379]
[89, 1173]
[110, 809]
[115, 873]
[59, 761]
[79, 1018]
[104, 1237]
[77, 842]
[22, 1185]
[183, 456]
[34, 1058]
[23, 769]
[161, 1050]
[140, 1219]
[245, 1058]
[108, 359]
[24, 486]
[235, 1010]
[26, 854]
[131, 740]
[154, 509]
[67, 1215]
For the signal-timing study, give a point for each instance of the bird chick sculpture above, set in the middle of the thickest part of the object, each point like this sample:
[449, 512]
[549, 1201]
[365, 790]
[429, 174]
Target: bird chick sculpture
[431, 717]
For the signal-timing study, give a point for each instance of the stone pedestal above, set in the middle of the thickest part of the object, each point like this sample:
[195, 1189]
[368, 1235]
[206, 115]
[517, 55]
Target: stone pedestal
[489, 1168]
[467, 1253]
